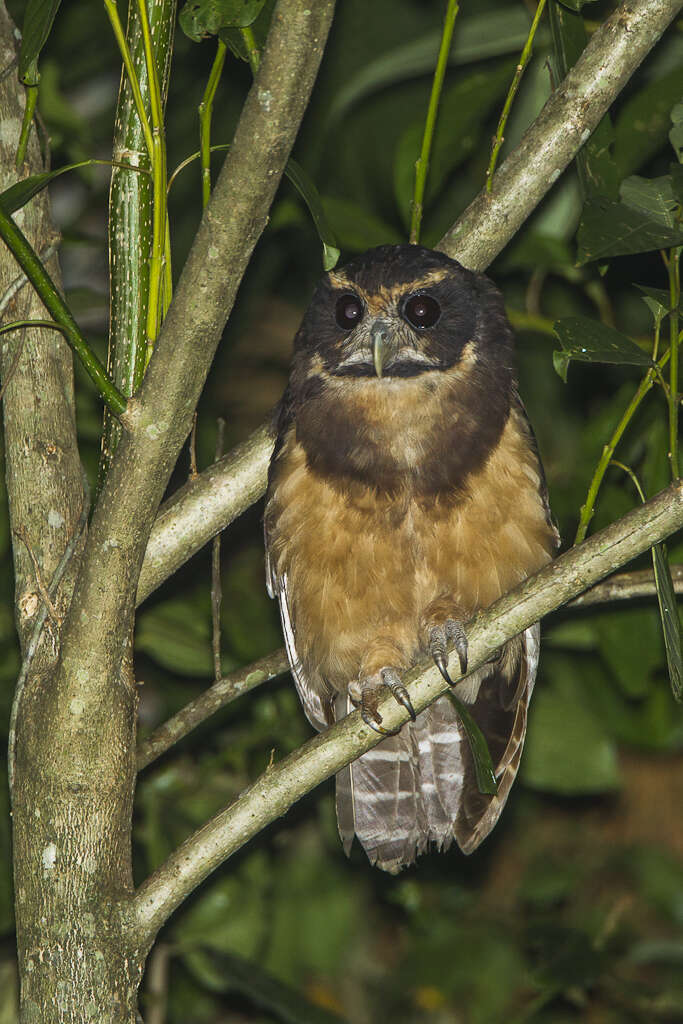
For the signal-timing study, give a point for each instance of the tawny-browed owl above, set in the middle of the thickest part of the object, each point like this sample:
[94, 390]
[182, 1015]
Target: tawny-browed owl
[406, 493]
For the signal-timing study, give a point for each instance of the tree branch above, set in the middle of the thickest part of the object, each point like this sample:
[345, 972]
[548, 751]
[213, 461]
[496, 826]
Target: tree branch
[207, 703]
[626, 586]
[281, 786]
[487, 225]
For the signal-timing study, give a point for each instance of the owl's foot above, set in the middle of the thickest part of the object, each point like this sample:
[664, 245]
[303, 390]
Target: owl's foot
[367, 692]
[454, 630]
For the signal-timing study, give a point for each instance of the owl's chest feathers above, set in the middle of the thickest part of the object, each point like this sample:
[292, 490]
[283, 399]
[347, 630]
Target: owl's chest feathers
[425, 434]
[362, 562]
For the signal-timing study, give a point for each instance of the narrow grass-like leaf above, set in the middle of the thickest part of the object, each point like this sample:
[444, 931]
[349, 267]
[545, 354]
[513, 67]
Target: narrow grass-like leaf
[671, 625]
[589, 341]
[17, 195]
[483, 766]
[38, 19]
[310, 195]
[615, 229]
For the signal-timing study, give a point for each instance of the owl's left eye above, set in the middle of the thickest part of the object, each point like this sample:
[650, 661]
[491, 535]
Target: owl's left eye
[422, 311]
[349, 311]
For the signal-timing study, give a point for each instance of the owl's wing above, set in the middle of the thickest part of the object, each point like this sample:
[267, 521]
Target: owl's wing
[312, 691]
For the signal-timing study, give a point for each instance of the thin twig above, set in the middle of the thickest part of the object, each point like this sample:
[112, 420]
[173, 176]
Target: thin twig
[223, 692]
[37, 633]
[205, 113]
[216, 591]
[626, 586]
[499, 137]
[422, 163]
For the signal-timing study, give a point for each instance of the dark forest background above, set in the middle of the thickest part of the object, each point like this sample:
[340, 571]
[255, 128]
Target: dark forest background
[573, 909]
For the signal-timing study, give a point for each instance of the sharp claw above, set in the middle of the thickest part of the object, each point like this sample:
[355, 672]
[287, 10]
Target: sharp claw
[442, 665]
[373, 720]
[392, 681]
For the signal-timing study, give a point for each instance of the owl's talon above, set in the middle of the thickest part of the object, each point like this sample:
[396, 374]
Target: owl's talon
[392, 681]
[373, 719]
[439, 636]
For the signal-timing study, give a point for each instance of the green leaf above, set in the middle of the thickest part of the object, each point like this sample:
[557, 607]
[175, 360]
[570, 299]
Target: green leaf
[356, 228]
[38, 19]
[657, 300]
[671, 623]
[676, 132]
[651, 196]
[676, 171]
[17, 195]
[176, 635]
[487, 34]
[589, 341]
[568, 750]
[202, 18]
[483, 766]
[310, 195]
[644, 121]
[575, 5]
[615, 229]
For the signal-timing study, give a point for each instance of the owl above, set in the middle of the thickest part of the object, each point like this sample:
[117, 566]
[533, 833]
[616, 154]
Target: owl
[406, 493]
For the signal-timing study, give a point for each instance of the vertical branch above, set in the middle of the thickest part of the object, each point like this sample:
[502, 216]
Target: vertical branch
[130, 214]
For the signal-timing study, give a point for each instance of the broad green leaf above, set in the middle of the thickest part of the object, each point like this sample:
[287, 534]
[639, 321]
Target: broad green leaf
[597, 170]
[176, 635]
[486, 34]
[628, 641]
[676, 132]
[657, 300]
[358, 229]
[671, 623]
[615, 229]
[568, 750]
[644, 121]
[589, 341]
[309, 193]
[38, 19]
[202, 18]
[651, 196]
[483, 766]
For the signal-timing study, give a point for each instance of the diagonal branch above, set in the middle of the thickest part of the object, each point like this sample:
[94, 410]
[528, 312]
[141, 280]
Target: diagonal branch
[487, 225]
[624, 586]
[281, 786]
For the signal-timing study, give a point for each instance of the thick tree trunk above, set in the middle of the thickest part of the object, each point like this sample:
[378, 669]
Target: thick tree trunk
[73, 787]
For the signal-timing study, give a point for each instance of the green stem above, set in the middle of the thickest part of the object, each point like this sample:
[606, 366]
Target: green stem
[422, 164]
[588, 508]
[159, 219]
[205, 112]
[29, 262]
[521, 67]
[29, 110]
[190, 159]
[675, 293]
[252, 49]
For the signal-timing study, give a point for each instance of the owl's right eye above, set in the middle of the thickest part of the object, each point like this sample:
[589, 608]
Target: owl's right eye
[349, 311]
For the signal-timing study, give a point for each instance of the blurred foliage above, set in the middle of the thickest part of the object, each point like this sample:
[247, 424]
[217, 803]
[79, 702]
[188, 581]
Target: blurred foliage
[573, 911]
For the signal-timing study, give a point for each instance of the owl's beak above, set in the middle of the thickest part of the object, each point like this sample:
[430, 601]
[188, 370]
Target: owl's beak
[379, 337]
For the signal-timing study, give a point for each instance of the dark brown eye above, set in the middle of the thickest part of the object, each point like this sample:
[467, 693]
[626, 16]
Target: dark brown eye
[349, 311]
[422, 311]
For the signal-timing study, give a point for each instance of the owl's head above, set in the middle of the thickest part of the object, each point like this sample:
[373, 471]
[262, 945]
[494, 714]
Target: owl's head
[403, 311]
